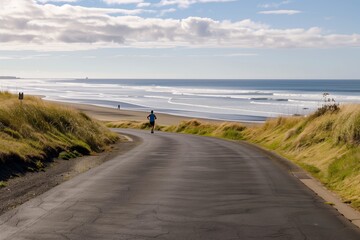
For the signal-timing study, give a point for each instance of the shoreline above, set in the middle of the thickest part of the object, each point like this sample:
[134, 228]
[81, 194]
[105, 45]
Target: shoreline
[106, 114]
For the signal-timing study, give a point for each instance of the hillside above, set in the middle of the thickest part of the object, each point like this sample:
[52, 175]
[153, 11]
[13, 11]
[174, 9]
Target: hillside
[326, 143]
[33, 132]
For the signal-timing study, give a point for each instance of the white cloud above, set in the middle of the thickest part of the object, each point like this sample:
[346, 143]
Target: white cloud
[26, 25]
[123, 1]
[139, 3]
[166, 11]
[187, 3]
[280, 12]
[274, 4]
[143, 4]
[56, 1]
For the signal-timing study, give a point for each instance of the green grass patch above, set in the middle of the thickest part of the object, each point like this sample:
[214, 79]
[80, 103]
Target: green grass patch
[81, 148]
[2, 184]
[345, 166]
[67, 155]
[310, 168]
[39, 164]
[12, 133]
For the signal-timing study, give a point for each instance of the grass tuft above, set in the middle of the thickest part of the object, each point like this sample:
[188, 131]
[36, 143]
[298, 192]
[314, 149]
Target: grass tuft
[68, 155]
[2, 184]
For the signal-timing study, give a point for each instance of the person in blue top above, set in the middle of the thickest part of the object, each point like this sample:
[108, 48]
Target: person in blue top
[152, 118]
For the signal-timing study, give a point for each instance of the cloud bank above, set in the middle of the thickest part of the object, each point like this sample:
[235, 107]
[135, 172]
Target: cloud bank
[123, 1]
[188, 3]
[26, 25]
[57, 1]
[280, 12]
[274, 4]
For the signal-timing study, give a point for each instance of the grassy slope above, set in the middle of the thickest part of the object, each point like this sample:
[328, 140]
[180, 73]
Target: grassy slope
[35, 131]
[326, 144]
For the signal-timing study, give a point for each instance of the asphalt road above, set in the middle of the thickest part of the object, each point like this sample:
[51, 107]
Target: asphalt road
[174, 186]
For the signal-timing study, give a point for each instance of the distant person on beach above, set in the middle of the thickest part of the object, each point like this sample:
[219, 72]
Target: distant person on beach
[152, 118]
[119, 106]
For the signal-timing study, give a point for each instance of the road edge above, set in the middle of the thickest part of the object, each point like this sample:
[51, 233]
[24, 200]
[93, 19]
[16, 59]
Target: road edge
[58, 172]
[313, 184]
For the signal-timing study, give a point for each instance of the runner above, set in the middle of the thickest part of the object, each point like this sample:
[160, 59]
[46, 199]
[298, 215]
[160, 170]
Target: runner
[152, 118]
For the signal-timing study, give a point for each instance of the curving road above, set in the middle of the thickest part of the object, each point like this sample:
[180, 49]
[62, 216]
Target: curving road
[174, 186]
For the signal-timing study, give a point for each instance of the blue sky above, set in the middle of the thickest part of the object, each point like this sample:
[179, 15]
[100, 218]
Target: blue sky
[237, 39]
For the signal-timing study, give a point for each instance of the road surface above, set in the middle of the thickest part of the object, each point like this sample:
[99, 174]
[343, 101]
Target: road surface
[174, 186]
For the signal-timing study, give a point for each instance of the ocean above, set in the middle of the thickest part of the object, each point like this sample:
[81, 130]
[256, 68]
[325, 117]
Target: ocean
[231, 100]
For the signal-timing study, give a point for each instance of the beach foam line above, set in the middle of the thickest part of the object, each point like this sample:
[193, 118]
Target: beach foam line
[268, 114]
[177, 91]
[277, 104]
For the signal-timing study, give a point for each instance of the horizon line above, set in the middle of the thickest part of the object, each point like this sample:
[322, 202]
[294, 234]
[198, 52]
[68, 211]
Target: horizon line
[186, 79]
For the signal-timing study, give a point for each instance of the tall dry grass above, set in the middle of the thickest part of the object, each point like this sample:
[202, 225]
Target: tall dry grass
[34, 131]
[326, 144]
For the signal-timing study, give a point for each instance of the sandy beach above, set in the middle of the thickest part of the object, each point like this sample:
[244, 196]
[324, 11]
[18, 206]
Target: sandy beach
[111, 115]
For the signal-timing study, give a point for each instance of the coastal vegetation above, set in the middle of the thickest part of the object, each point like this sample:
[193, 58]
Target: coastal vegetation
[325, 143]
[33, 132]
